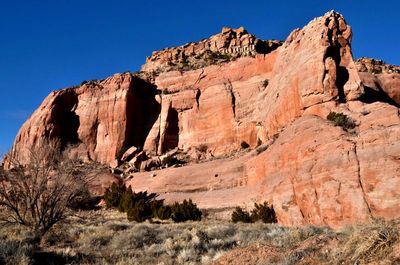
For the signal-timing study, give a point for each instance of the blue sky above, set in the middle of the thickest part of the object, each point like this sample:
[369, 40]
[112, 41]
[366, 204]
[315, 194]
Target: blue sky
[47, 45]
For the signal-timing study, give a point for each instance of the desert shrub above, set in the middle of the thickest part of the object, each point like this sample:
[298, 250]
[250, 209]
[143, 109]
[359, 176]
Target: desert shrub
[214, 57]
[244, 145]
[164, 212]
[142, 206]
[340, 119]
[265, 83]
[185, 211]
[139, 212]
[37, 193]
[170, 161]
[370, 242]
[139, 206]
[202, 148]
[376, 71]
[15, 252]
[113, 195]
[263, 212]
[126, 201]
[240, 215]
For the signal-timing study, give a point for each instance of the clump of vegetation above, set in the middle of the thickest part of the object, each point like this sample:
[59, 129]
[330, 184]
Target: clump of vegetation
[244, 145]
[185, 211]
[15, 252]
[265, 83]
[218, 57]
[89, 82]
[261, 212]
[240, 215]
[370, 242]
[113, 195]
[202, 148]
[340, 119]
[264, 213]
[143, 206]
[376, 71]
[138, 206]
[170, 161]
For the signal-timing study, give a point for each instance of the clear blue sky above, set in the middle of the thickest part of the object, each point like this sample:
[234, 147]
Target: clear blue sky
[51, 44]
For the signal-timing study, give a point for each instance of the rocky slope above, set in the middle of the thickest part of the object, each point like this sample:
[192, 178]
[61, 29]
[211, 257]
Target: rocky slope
[206, 100]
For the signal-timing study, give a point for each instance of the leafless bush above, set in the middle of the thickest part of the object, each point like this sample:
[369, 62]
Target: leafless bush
[37, 194]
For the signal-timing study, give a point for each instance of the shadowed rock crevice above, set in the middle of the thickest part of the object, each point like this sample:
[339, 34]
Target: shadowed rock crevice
[342, 74]
[265, 47]
[142, 111]
[171, 137]
[360, 180]
[64, 119]
[229, 87]
[198, 94]
[377, 95]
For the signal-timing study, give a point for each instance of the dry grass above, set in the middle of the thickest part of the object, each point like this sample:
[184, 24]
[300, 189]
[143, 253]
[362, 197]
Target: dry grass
[370, 242]
[105, 237]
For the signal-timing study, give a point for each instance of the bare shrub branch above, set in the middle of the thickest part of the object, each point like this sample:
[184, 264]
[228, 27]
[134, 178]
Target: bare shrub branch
[38, 194]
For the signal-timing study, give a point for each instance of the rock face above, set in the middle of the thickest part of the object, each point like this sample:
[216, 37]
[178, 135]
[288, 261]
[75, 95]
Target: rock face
[99, 119]
[225, 46]
[381, 80]
[210, 98]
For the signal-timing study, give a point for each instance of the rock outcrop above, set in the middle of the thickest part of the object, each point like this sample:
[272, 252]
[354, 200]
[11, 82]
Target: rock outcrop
[211, 98]
[225, 46]
[381, 81]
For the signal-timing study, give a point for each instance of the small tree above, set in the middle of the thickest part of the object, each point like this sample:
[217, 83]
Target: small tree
[141, 211]
[113, 195]
[38, 194]
[240, 215]
[185, 211]
[263, 212]
[164, 212]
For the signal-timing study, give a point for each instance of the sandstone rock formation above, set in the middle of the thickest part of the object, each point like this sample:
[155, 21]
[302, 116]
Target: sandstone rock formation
[227, 45]
[278, 95]
[380, 79]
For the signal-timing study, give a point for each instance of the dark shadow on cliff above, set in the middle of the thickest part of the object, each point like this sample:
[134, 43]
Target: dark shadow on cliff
[171, 137]
[342, 74]
[372, 95]
[65, 120]
[142, 111]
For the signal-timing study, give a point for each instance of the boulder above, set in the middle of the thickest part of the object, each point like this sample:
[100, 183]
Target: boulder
[129, 153]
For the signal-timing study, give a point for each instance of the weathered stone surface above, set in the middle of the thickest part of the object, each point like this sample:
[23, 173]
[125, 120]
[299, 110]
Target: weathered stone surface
[381, 81]
[225, 46]
[312, 171]
[101, 181]
[374, 66]
[129, 153]
[98, 118]
[313, 66]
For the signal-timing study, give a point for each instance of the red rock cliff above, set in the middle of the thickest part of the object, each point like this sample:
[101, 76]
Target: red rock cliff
[226, 90]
